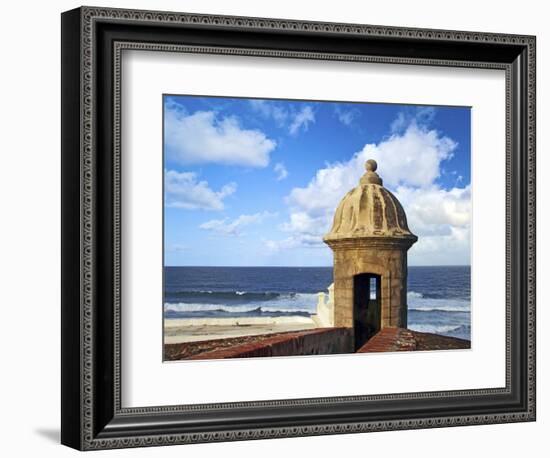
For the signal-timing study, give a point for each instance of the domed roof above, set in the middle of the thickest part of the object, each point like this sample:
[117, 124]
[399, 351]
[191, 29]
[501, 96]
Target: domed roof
[370, 210]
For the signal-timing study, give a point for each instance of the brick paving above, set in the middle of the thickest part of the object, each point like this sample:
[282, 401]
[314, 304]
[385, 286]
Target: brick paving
[400, 339]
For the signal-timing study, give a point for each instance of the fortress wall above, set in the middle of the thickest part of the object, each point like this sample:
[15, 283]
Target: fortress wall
[311, 342]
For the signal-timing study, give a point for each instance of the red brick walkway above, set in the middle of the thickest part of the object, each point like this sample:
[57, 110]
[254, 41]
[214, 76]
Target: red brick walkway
[400, 339]
[390, 339]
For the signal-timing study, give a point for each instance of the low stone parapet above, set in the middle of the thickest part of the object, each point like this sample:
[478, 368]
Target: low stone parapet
[321, 341]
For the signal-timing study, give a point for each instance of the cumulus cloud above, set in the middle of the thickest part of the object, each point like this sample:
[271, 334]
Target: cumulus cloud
[326, 189]
[184, 190]
[410, 161]
[234, 227]
[281, 171]
[449, 249]
[434, 211]
[305, 231]
[205, 137]
[412, 158]
[441, 218]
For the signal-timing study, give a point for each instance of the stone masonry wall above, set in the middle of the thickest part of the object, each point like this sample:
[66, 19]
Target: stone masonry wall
[390, 264]
[322, 341]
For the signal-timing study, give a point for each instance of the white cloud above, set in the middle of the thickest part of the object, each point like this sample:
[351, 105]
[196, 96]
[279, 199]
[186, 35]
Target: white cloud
[269, 109]
[327, 188]
[409, 162]
[435, 210]
[441, 219]
[412, 158]
[450, 249]
[301, 120]
[305, 231]
[422, 116]
[346, 117]
[281, 171]
[233, 227]
[205, 137]
[285, 116]
[295, 241]
[183, 190]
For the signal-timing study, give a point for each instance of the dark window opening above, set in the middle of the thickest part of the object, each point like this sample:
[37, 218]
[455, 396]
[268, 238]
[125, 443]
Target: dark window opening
[366, 307]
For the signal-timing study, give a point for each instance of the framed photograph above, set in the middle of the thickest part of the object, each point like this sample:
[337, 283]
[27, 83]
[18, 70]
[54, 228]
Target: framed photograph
[276, 228]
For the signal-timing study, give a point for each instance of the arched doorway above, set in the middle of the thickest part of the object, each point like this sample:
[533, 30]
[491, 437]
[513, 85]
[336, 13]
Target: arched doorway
[366, 307]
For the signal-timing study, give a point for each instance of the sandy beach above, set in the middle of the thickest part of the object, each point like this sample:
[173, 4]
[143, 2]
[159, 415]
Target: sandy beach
[199, 329]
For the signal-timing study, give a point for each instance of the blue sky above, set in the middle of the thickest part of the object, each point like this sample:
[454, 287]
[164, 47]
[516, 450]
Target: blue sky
[255, 182]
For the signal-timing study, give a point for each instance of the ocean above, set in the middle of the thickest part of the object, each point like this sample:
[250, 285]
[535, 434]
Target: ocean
[438, 296]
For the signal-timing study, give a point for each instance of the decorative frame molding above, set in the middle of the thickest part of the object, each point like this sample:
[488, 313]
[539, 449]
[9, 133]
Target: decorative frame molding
[93, 40]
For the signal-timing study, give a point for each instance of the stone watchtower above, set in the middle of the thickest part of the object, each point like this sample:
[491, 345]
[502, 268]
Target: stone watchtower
[370, 239]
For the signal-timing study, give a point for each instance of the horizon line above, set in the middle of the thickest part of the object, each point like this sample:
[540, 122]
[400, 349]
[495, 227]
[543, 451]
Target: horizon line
[316, 267]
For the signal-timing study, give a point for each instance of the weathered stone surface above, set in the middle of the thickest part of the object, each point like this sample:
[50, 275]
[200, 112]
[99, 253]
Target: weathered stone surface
[321, 341]
[370, 235]
[370, 210]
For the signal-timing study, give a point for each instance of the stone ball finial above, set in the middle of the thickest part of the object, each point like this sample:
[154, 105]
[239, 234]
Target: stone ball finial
[371, 165]
[371, 177]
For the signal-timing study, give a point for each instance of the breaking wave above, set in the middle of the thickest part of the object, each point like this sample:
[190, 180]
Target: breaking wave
[209, 296]
[240, 303]
[183, 307]
[460, 331]
[420, 303]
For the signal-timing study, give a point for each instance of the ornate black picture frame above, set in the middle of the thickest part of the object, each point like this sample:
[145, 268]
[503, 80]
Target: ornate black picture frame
[92, 42]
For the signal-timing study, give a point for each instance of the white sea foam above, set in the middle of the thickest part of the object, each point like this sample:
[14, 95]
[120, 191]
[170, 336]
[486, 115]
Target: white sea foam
[298, 303]
[307, 302]
[184, 307]
[417, 301]
[434, 329]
